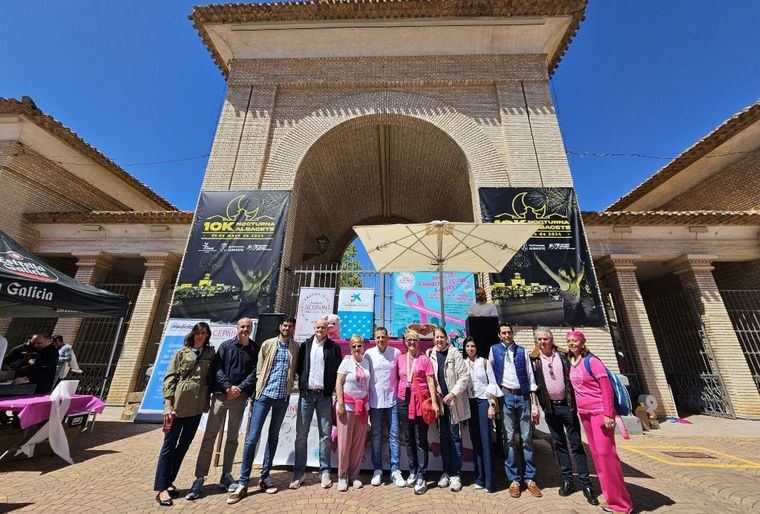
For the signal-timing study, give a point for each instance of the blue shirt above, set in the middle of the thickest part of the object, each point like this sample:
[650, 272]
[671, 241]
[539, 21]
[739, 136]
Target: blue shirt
[277, 384]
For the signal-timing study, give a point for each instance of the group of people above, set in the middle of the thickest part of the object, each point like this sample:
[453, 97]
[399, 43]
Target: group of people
[40, 360]
[401, 394]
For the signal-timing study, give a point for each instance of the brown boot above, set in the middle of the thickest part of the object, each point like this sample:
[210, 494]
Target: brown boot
[534, 489]
[514, 489]
[240, 492]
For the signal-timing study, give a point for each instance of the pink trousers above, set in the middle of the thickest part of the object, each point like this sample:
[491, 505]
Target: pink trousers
[601, 442]
[352, 434]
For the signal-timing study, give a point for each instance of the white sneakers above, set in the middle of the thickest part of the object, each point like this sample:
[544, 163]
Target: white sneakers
[444, 481]
[342, 484]
[398, 479]
[357, 484]
[411, 479]
[455, 484]
[326, 480]
[377, 477]
[420, 486]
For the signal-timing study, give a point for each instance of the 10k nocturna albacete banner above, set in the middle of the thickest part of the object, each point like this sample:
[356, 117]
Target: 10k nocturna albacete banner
[551, 280]
[232, 261]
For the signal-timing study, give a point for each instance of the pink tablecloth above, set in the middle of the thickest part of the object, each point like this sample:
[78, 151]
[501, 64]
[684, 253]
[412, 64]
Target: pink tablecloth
[35, 409]
[395, 343]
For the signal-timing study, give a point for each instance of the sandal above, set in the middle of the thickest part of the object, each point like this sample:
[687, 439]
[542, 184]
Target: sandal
[164, 503]
[172, 490]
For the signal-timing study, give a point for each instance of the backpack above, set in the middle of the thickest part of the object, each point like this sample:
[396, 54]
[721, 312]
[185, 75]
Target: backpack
[622, 400]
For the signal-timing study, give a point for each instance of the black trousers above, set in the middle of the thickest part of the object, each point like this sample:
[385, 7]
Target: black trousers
[175, 446]
[565, 427]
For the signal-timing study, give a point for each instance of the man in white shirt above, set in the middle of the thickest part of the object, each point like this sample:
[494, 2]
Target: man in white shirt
[383, 383]
[317, 368]
[513, 371]
[482, 308]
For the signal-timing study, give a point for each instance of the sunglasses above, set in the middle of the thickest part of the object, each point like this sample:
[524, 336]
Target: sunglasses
[551, 370]
[357, 346]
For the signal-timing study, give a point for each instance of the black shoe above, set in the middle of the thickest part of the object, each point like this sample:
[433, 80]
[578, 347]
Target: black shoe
[588, 492]
[567, 488]
[164, 503]
[172, 490]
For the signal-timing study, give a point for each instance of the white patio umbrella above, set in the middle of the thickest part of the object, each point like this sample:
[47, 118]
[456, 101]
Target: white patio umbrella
[444, 246]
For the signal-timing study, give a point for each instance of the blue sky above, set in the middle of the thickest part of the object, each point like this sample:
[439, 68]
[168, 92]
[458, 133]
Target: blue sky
[133, 79]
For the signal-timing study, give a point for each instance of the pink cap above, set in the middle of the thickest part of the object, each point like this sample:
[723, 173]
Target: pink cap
[576, 334]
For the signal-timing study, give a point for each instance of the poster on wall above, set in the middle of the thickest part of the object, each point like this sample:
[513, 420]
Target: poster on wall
[232, 261]
[417, 301]
[313, 303]
[551, 280]
[356, 310]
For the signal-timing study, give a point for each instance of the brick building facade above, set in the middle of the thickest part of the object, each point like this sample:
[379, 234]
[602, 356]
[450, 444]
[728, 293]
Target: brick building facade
[369, 113]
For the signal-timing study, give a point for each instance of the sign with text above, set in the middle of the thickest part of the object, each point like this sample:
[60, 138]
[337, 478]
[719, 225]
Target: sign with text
[356, 309]
[551, 280]
[417, 300]
[232, 261]
[313, 303]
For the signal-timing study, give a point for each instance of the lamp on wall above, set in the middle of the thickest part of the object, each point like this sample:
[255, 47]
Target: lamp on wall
[322, 242]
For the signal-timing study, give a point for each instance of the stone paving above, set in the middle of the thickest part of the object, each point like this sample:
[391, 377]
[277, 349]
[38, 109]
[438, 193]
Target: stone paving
[115, 466]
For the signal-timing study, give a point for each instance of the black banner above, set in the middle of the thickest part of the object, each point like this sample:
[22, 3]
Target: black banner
[232, 261]
[550, 281]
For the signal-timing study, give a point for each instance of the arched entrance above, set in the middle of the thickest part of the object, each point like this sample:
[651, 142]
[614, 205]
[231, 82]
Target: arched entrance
[375, 169]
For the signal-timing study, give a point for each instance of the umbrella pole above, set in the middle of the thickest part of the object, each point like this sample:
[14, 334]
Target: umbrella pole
[110, 359]
[440, 284]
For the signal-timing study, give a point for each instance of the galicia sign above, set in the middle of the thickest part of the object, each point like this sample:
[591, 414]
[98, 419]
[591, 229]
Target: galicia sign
[25, 267]
[28, 291]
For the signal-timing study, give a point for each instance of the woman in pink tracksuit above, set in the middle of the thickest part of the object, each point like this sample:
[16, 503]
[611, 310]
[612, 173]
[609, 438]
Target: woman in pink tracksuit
[595, 400]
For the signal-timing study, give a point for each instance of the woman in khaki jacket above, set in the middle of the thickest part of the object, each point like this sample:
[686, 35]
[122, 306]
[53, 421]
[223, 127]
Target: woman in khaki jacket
[186, 398]
[453, 379]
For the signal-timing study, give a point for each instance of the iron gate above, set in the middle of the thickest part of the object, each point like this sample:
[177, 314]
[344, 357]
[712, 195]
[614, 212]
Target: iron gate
[744, 310]
[331, 275]
[686, 355]
[94, 343]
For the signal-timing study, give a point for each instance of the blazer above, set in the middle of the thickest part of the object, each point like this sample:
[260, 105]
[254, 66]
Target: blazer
[266, 360]
[457, 376]
[333, 357]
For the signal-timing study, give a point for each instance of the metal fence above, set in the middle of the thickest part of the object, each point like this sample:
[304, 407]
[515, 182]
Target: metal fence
[687, 356]
[743, 308]
[330, 275]
[94, 343]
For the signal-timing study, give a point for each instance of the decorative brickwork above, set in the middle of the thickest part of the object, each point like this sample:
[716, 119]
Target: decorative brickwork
[619, 272]
[159, 269]
[91, 269]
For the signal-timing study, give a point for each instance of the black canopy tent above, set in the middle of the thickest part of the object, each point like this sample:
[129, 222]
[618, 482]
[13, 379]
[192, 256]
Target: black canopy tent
[30, 288]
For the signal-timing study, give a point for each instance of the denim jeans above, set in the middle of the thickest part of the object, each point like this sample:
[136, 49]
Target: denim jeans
[261, 408]
[388, 418]
[450, 435]
[516, 414]
[480, 435]
[562, 421]
[307, 404]
[175, 446]
[416, 437]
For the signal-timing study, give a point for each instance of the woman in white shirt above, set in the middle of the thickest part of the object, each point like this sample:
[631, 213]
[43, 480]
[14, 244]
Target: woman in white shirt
[483, 393]
[352, 405]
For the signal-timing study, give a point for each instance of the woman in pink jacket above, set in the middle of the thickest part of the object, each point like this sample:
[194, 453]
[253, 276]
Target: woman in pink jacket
[595, 400]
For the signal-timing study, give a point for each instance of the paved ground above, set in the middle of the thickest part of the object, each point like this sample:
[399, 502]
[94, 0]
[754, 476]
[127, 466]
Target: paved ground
[115, 466]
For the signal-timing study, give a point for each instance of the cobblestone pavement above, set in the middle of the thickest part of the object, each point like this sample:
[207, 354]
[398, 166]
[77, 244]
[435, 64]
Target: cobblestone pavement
[115, 466]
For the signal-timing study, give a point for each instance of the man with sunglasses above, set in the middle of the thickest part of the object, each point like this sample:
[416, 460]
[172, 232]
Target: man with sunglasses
[551, 369]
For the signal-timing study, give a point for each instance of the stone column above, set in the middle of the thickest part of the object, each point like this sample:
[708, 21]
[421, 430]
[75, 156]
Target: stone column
[92, 268]
[695, 273]
[619, 272]
[159, 268]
